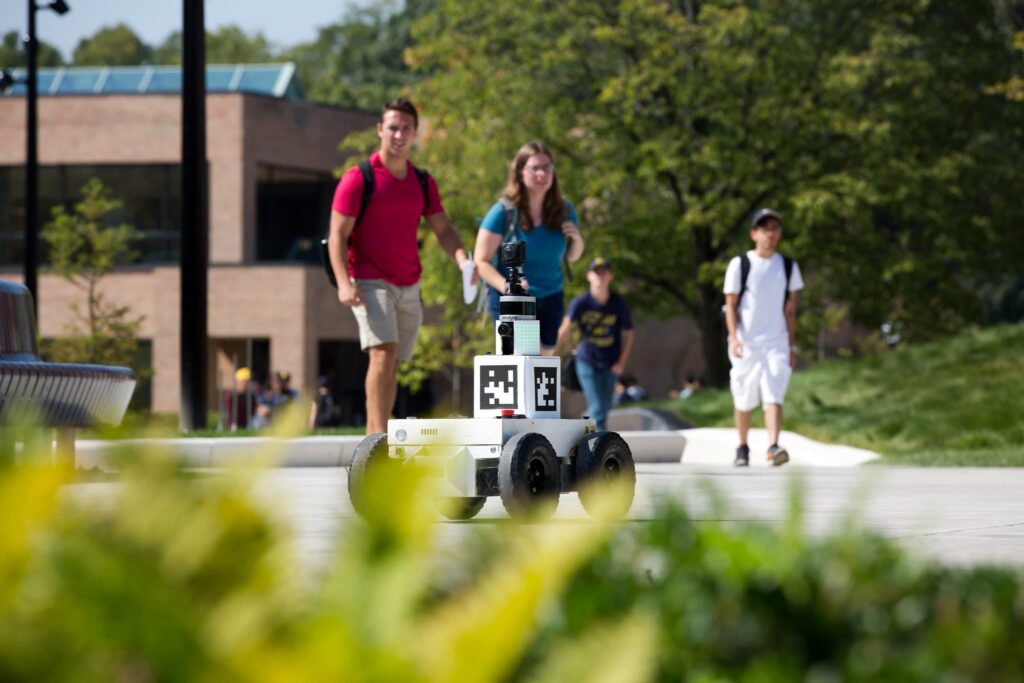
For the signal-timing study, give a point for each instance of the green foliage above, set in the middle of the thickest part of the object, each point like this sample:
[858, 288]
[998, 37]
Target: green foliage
[952, 402]
[228, 45]
[358, 62]
[1013, 87]
[194, 579]
[84, 249]
[671, 122]
[112, 46]
[744, 602]
[12, 53]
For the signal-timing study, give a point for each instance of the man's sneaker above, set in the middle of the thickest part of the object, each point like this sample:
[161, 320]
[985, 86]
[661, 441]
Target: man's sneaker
[778, 455]
[742, 456]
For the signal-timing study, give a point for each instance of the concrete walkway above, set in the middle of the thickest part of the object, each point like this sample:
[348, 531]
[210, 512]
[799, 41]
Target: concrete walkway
[717, 447]
[952, 515]
[706, 447]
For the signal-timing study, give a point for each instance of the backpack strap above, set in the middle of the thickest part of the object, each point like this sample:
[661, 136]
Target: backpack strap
[511, 216]
[744, 274]
[366, 170]
[424, 177]
[787, 266]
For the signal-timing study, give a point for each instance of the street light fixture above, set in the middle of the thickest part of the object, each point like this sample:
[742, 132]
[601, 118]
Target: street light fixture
[31, 255]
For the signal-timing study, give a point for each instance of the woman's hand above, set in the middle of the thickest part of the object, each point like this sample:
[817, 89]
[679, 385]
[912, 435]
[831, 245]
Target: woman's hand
[574, 249]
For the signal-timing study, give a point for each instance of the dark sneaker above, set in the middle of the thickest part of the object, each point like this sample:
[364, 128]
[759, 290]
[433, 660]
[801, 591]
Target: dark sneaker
[742, 456]
[778, 455]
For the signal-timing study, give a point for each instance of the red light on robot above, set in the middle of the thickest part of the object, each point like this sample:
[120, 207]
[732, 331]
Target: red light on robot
[507, 412]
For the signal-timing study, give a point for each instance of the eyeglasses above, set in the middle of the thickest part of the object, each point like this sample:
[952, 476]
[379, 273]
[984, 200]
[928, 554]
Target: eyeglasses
[537, 170]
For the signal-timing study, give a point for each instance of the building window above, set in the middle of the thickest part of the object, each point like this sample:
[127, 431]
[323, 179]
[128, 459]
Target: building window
[293, 208]
[150, 194]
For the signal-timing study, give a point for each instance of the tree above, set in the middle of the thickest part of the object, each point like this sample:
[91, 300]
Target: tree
[12, 53]
[112, 46]
[84, 249]
[864, 123]
[359, 62]
[228, 45]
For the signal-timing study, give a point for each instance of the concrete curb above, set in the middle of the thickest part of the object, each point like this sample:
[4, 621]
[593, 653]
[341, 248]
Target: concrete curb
[717, 447]
[314, 451]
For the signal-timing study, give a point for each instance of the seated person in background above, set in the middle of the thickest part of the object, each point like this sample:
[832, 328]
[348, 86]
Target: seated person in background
[240, 402]
[324, 412]
[627, 390]
[275, 398]
[691, 385]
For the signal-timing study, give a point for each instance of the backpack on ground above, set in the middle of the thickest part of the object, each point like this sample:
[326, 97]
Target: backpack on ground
[366, 170]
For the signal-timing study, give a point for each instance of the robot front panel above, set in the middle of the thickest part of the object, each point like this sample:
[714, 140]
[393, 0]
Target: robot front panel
[526, 385]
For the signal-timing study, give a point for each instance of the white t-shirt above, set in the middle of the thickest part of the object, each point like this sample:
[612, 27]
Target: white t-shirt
[762, 320]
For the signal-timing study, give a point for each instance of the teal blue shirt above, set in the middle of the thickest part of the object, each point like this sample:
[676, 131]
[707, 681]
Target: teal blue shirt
[544, 249]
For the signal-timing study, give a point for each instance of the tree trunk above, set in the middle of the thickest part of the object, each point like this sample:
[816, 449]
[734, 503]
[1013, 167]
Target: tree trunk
[712, 333]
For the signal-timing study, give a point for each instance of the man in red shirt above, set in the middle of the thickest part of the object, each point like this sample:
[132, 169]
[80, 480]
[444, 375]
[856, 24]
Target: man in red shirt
[377, 263]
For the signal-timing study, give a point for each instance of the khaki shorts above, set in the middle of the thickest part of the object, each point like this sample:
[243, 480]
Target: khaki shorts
[389, 314]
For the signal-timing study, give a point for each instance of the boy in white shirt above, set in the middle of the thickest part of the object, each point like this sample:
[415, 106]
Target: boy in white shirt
[761, 293]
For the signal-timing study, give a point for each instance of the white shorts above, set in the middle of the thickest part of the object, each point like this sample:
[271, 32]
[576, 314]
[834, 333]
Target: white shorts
[762, 373]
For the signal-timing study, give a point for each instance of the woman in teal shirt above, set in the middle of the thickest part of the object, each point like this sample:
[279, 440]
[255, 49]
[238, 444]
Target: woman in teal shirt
[547, 223]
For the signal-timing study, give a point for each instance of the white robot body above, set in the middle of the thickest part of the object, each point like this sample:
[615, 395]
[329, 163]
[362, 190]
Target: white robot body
[516, 445]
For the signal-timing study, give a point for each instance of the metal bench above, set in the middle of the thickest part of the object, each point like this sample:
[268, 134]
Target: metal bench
[61, 396]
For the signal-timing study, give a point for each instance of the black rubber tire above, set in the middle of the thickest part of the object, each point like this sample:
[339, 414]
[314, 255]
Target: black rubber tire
[461, 508]
[601, 460]
[371, 452]
[529, 479]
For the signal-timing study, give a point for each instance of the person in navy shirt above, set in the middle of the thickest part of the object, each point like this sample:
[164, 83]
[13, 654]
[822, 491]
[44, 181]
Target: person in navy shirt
[542, 218]
[606, 338]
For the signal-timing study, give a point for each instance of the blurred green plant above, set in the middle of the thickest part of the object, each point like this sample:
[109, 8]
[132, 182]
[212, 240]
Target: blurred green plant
[187, 577]
[191, 578]
[740, 601]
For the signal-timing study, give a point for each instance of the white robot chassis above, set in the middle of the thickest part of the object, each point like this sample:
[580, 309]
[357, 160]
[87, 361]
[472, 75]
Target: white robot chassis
[516, 445]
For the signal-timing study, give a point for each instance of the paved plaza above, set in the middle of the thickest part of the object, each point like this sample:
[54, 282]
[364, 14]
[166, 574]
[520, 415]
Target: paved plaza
[956, 516]
[952, 515]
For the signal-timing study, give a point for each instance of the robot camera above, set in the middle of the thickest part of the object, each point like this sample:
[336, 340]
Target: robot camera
[513, 254]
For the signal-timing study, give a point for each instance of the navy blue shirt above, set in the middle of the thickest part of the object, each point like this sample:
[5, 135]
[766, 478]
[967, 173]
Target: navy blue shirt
[601, 328]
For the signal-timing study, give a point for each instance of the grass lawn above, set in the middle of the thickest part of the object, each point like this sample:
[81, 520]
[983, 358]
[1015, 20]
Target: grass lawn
[955, 402]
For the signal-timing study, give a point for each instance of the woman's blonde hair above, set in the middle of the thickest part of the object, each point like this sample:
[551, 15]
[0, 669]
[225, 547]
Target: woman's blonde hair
[553, 212]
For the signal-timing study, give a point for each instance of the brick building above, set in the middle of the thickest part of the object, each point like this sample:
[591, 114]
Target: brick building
[272, 156]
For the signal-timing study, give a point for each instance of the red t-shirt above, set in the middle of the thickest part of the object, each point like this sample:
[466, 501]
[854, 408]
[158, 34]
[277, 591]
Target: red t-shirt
[383, 246]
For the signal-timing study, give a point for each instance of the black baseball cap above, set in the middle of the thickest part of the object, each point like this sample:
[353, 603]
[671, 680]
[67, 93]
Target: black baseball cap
[761, 214]
[600, 262]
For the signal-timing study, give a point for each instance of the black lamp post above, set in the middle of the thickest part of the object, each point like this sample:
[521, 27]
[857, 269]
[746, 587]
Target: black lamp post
[195, 217]
[31, 255]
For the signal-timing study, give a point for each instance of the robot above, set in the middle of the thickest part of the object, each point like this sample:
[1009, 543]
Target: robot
[516, 445]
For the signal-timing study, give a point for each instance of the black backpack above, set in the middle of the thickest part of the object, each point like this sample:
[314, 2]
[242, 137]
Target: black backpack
[787, 265]
[366, 169]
